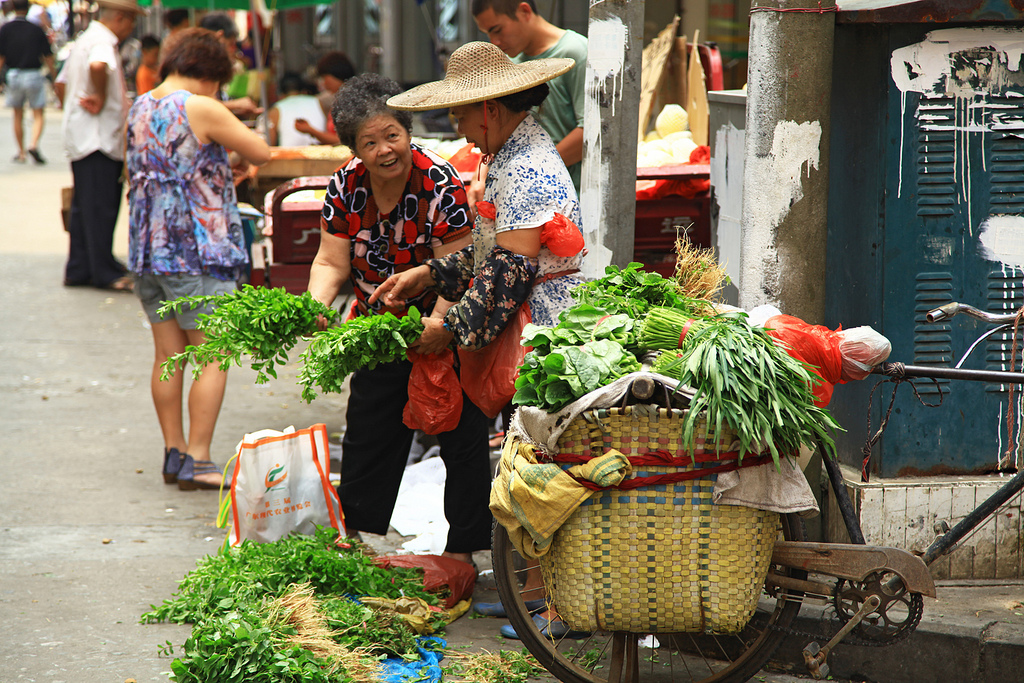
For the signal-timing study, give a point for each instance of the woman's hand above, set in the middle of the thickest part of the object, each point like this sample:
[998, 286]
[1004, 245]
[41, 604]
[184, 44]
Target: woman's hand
[303, 126]
[401, 286]
[435, 337]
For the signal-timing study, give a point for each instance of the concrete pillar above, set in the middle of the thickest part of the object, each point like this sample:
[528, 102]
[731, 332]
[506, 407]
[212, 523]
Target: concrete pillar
[610, 119]
[785, 179]
[391, 39]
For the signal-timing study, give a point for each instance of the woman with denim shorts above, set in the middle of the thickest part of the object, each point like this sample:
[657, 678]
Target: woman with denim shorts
[185, 232]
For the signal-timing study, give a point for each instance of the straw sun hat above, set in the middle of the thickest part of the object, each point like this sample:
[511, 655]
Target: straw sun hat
[476, 72]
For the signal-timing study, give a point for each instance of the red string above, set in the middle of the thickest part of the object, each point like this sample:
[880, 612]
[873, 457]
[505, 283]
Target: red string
[686, 328]
[671, 478]
[819, 10]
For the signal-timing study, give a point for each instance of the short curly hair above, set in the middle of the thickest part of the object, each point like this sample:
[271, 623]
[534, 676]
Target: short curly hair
[196, 53]
[362, 98]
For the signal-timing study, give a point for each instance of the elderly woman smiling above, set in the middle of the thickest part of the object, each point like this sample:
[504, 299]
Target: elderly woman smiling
[390, 209]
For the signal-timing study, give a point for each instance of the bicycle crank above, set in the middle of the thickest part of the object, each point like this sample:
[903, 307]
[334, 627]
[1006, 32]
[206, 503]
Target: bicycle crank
[815, 656]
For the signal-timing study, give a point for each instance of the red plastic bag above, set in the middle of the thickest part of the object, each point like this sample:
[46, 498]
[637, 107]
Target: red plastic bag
[489, 375]
[435, 397]
[562, 236]
[466, 159]
[438, 572]
[815, 345]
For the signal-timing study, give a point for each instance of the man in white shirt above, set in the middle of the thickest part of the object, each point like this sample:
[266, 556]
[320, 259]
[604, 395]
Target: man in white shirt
[92, 90]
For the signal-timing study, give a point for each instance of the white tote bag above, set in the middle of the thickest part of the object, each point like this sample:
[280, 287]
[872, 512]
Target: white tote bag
[281, 484]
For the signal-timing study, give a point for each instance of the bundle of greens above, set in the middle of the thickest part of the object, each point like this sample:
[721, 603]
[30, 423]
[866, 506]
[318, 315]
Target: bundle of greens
[245, 574]
[362, 342]
[633, 291]
[262, 323]
[743, 380]
[585, 351]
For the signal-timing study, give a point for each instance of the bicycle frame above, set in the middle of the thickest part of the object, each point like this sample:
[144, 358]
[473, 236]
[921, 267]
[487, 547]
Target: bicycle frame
[945, 543]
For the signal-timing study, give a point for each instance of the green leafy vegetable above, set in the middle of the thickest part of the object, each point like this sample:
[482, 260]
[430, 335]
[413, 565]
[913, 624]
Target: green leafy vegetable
[743, 380]
[261, 323]
[583, 352]
[245, 574]
[633, 291]
[362, 342]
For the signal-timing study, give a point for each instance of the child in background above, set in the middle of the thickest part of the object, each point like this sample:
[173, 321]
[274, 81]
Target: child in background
[146, 77]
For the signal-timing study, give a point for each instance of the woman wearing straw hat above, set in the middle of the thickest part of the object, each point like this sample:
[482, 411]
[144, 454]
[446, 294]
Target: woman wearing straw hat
[390, 208]
[526, 243]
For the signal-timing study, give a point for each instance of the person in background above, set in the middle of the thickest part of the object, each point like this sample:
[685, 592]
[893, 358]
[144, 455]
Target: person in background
[297, 104]
[226, 30]
[146, 75]
[24, 49]
[92, 90]
[176, 20]
[333, 69]
[185, 232]
[392, 207]
[522, 34]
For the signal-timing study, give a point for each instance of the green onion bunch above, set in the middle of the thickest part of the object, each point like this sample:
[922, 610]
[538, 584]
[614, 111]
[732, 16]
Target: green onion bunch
[363, 342]
[744, 381]
[264, 324]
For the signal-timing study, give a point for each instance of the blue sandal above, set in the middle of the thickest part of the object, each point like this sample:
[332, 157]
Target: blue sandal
[172, 465]
[496, 609]
[553, 630]
[190, 467]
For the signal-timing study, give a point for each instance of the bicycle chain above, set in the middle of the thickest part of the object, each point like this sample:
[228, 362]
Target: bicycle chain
[909, 627]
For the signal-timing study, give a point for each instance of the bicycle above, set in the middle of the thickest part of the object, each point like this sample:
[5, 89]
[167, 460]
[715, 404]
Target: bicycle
[876, 592]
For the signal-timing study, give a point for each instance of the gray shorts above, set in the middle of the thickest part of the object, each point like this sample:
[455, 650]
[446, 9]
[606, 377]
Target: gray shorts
[26, 86]
[156, 290]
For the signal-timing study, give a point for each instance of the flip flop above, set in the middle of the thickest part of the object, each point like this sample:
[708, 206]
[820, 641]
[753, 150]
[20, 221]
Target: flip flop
[20, 158]
[496, 609]
[554, 630]
[37, 156]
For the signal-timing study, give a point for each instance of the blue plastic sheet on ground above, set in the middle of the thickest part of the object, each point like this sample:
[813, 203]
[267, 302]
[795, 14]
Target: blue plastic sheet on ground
[427, 669]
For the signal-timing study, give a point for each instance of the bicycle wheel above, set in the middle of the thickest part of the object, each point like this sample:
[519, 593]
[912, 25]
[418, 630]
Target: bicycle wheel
[682, 657]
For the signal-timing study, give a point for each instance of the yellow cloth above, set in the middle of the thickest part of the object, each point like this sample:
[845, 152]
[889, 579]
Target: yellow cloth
[532, 500]
[416, 612]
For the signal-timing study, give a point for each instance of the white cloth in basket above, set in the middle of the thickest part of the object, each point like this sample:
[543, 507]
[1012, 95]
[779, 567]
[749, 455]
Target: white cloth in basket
[762, 487]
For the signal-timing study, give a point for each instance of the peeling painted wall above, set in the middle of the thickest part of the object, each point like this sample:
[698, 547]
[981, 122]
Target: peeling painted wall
[605, 63]
[972, 66]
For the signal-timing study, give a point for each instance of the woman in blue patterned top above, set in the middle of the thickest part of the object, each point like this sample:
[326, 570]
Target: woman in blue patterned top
[185, 234]
[526, 243]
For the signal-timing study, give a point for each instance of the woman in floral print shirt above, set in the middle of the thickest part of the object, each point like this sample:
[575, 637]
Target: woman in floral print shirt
[392, 208]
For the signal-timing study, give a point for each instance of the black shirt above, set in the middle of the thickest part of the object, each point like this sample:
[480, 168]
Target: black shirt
[23, 45]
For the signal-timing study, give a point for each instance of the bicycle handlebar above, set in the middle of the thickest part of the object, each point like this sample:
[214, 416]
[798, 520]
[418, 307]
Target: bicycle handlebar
[947, 311]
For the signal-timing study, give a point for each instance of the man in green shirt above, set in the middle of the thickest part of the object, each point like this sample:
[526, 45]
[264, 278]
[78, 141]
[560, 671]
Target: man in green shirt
[524, 35]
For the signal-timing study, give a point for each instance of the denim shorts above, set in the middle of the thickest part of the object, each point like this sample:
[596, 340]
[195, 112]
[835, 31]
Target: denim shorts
[26, 85]
[156, 290]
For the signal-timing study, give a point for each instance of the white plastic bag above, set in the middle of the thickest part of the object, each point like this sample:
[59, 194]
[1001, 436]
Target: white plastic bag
[862, 349]
[281, 484]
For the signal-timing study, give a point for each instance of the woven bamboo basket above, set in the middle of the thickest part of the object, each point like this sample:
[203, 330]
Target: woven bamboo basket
[660, 559]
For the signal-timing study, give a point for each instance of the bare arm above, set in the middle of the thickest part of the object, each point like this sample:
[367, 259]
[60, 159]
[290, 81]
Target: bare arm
[435, 338]
[322, 136]
[331, 267]
[94, 101]
[571, 147]
[273, 121]
[211, 121]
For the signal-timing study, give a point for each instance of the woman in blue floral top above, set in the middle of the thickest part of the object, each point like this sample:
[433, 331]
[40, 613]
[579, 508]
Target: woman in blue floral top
[526, 243]
[185, 234]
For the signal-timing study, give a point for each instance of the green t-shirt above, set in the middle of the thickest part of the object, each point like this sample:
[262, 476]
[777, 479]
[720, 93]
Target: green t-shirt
[562, 110]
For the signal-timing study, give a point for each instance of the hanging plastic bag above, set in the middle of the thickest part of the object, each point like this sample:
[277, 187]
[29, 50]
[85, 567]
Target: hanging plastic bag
[815, 345]
[281, 484]
[435, 395]
[489, 374]
[862, 349]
